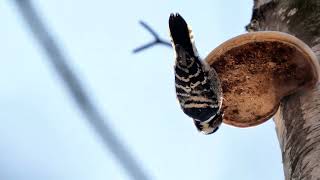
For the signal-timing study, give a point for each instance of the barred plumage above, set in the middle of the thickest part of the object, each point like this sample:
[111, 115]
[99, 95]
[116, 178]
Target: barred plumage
[198, 87]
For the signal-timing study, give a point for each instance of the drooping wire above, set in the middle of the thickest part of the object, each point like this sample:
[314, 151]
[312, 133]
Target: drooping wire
[77, 91]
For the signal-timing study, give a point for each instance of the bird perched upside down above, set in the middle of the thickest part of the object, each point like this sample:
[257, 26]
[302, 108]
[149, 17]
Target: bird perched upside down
[198, 86]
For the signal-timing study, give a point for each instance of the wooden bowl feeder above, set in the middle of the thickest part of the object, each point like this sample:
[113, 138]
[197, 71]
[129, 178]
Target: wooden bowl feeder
[257, 70]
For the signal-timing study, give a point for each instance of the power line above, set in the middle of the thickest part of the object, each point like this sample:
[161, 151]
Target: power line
[77, 91]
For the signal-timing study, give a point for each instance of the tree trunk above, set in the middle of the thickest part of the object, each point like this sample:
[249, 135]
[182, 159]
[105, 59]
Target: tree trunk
[298, 118]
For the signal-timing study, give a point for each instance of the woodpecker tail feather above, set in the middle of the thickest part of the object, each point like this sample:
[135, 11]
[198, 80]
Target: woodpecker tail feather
[180, 33]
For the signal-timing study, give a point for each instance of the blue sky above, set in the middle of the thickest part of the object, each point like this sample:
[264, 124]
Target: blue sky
[44, 136]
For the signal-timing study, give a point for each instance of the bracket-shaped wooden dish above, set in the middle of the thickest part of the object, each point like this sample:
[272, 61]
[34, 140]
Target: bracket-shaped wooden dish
[257, 70]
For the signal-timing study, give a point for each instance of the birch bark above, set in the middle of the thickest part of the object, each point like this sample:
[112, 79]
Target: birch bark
[298, 118]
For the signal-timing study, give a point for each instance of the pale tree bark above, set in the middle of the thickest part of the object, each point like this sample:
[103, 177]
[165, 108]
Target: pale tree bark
[298, 119]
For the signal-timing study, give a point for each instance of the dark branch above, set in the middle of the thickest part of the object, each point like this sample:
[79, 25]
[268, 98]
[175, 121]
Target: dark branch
[157, 39]
[78, 92]
[148, 28]
[144, 46]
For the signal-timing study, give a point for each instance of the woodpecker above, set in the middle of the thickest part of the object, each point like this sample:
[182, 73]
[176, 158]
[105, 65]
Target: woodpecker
[198, 86]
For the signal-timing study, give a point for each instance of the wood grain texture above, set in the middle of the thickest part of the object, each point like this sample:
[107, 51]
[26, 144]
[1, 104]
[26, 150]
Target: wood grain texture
[298, 118]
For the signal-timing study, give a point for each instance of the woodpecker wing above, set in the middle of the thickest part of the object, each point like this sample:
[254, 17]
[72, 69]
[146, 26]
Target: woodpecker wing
[215, 84]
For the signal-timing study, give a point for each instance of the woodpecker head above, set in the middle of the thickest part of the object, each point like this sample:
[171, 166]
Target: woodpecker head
[198, 87]
[210, 126]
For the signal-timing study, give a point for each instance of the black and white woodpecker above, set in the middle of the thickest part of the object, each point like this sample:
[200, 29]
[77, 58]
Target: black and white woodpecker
[198, 86]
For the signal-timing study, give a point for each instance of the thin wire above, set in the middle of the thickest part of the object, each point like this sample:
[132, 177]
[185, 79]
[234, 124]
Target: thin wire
[78, 92]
